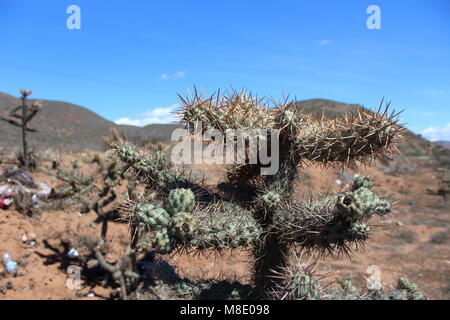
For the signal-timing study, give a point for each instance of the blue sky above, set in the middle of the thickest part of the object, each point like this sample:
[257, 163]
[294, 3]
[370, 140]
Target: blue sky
[130, 58]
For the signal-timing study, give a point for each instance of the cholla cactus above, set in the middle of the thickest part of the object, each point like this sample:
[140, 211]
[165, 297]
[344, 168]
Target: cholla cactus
[20, 117]
[444, 183]
[79, 188]
[259, 213]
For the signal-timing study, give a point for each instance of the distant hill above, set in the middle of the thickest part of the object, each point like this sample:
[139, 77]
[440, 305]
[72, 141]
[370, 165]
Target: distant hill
[436, 154]
[445, 144]
[71, 127]
[66, 126]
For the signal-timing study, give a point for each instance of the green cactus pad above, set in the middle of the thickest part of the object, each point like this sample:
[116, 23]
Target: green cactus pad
[361, 204]
[271, 198]
[362, 182]
[304, 287]
[128, 154]
[359, 231]
[151, 216]
[162, 242]
[180, 200]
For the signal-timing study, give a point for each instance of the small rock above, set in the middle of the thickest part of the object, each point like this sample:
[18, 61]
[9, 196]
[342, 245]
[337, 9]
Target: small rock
[24, 238]
[399, 223]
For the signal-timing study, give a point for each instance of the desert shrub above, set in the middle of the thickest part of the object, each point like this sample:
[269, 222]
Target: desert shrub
[408, 236]
[442, 237]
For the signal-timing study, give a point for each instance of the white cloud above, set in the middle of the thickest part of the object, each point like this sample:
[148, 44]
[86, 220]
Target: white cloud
[158, 115]
[437, 134]
[127, 121]
[430, 92]
[323, 42]
[180, 74]
[434, 92]
[176, 75]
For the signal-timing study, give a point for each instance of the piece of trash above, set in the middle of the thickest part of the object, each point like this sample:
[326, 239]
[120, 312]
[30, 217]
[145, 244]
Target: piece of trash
[73, 253]
[5, 203]
[24, 177]
[338, 181]
[9, 263]
[43, 190]
[5, 196]
[29, 239]
[36, 203]
[90, 295]
[6, 191]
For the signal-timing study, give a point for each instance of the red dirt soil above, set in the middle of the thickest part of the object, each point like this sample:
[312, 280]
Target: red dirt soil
[404, 243]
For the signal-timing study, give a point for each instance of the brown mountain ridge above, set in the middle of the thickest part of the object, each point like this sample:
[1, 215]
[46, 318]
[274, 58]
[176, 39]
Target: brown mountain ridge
[67, 126]
[62, 125]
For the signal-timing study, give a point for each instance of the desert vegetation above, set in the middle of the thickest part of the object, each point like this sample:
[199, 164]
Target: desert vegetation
[168, 210]
[20, 117]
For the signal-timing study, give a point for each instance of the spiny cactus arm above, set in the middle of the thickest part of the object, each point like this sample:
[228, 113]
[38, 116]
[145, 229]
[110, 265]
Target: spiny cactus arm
[348, 140]
[32, 111]
[152, 167]
[108, 169]
[301, 285]
[300, 280]
[156, 171]
[225, 225]
[103, 263]
[17, 124]
[233, 111]
[218, 226]
[331, 222]
[62, 191]
[17, 113]
[120, 271]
